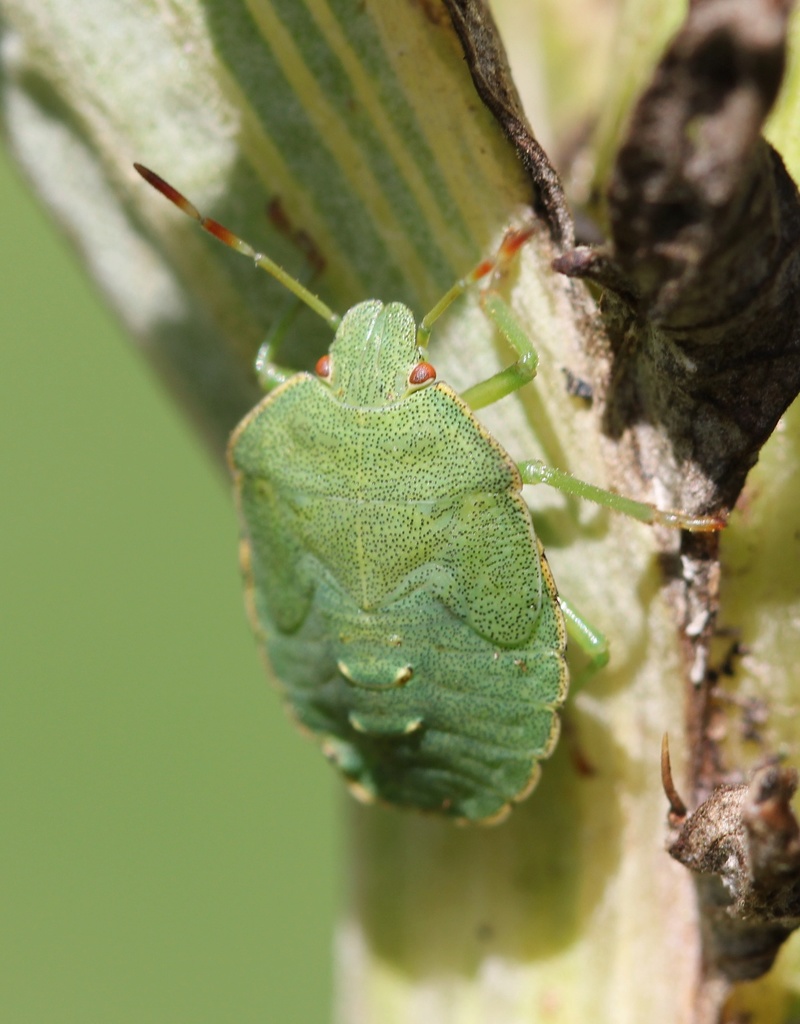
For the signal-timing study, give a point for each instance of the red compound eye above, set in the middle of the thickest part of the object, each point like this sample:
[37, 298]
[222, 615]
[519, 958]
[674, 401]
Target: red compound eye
[421, 374]
[323, 366]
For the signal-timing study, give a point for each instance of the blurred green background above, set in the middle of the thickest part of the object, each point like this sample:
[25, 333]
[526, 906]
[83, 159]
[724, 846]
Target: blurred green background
[169, 846]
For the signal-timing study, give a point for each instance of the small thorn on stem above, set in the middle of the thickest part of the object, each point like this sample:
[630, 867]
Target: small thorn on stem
[677, 808]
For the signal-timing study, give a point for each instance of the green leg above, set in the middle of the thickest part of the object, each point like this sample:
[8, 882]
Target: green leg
[520, 373]
[512, 377]
[536, 472]
[590, 640]
[269, 373]
[524, 369]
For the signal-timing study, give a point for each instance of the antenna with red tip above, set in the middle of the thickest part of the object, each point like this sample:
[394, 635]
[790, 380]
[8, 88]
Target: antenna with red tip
[226, 236]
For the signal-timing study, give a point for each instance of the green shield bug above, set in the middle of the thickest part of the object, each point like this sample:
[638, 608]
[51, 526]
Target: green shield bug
[394, 577]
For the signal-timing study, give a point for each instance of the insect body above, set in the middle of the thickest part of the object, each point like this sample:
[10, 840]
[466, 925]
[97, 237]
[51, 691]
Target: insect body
[393, 573]
[396, 579]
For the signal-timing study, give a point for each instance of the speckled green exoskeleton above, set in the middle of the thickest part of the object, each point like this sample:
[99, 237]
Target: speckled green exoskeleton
[394, 576]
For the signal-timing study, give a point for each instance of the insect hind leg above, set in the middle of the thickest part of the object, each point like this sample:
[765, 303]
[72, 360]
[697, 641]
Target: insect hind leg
[590, 640]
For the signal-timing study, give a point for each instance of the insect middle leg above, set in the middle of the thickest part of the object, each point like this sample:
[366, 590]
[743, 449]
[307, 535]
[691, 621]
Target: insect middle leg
[534, 471]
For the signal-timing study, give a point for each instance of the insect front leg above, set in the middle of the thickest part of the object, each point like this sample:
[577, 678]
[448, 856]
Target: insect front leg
[513, 377]
[499, 312]
[270, 374]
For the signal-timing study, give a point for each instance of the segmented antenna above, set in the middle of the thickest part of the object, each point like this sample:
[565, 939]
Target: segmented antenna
[233, 241]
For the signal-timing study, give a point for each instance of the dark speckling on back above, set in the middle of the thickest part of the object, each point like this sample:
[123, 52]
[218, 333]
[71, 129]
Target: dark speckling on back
[396, 581]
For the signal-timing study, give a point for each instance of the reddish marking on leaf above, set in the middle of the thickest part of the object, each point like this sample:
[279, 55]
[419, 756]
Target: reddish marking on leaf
[422, 373]
[281, 221]
[323, 367]
[279, 217]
